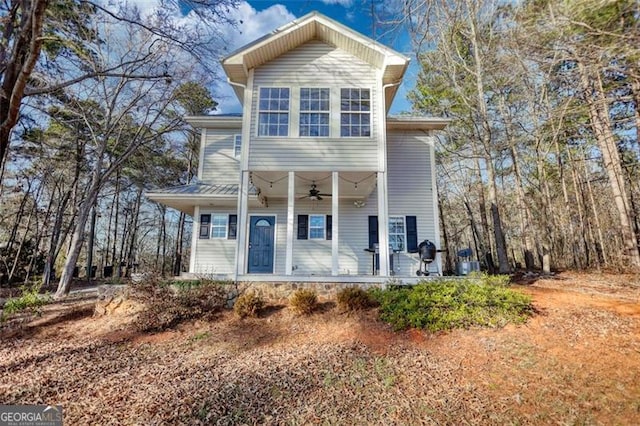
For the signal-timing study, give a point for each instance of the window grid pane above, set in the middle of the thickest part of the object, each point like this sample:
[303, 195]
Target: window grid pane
[273, 117]
[397, 233]
[314, 112]
[219, 226]
[237, 145]
[316, 227]
[355, 117]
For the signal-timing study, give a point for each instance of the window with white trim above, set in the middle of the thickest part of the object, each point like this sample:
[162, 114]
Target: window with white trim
[314, 112]
[237, 145]
[273, 111]
[316, 227]
[355, 112]
[219, 224]
[397, 233]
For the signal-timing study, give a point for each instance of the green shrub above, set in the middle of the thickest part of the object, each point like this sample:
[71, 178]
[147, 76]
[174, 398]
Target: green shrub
[303, 301]
[454, 303]
[248, 305]
[166, 307]
[354, 299]
[29, 299]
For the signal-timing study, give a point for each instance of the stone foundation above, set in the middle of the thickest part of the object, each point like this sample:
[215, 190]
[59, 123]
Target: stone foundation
[282, 290]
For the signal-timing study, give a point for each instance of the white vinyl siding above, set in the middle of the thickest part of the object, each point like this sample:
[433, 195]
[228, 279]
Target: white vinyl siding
[305, 67]
[215, 255]
[410, 194]
[410, 187]
[219, 163]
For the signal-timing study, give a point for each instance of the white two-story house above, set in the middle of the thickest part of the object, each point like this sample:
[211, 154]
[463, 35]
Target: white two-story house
[313, 181]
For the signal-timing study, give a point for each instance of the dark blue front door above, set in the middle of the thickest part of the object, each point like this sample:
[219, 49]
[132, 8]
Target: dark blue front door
[261, 244]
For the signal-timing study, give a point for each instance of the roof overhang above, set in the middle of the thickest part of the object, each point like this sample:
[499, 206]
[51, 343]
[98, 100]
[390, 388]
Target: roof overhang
[185, 197]
[215, 121]
[416, 123]
[315, 26]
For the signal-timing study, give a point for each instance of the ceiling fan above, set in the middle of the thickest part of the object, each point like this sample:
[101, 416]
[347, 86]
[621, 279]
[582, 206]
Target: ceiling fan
[314, 194]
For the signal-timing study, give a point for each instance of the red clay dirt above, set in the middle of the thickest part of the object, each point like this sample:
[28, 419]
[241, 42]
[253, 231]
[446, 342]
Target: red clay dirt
[577, 361]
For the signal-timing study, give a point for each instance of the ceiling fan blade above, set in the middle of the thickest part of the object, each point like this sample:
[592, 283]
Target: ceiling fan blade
[325, 195]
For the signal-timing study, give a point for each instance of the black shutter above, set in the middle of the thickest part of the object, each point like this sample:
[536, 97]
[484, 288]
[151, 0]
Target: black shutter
[329, 223]
[303, 226]
[373, 231]
[205, 226]
[412, 234]
[233, 227]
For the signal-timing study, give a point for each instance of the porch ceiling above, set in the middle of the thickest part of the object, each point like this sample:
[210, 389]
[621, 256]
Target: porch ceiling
[352, 185]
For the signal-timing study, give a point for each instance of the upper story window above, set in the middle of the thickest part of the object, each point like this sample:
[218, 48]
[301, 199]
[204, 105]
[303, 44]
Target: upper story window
[355, 112]
[273, 111]
[314, 112]
[237, 145]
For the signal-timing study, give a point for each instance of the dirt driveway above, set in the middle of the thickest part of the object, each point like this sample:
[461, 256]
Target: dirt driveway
[576, 362]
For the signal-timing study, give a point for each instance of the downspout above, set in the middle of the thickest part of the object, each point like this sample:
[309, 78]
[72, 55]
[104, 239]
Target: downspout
[240, 180]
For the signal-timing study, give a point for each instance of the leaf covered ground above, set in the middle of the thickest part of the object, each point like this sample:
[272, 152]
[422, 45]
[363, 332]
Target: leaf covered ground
[577, 361]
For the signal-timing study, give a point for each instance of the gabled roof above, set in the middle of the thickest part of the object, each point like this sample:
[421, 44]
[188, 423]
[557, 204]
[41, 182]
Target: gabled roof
[315, 26]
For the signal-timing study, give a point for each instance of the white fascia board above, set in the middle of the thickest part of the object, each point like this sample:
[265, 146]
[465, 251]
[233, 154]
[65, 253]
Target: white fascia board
[215, 122]
[417, 123]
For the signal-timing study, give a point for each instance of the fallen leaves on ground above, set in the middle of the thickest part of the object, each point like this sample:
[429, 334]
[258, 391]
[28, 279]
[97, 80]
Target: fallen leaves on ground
[576, 361]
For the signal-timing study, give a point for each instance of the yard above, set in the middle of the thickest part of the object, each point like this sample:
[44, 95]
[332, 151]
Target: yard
[577, 361]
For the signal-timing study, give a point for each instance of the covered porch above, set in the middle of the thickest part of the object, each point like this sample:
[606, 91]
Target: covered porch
[322, 228]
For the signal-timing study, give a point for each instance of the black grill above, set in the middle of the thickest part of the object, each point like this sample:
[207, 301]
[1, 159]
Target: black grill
[427, 251]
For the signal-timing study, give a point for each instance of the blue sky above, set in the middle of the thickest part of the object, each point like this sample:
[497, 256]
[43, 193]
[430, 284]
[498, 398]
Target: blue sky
[262, 16]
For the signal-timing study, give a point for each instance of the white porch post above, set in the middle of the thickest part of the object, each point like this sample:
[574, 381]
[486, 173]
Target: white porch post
[243, 201]
[195, 233]
[243, 190]
[290, 218]
[335, 252]
[383, 224]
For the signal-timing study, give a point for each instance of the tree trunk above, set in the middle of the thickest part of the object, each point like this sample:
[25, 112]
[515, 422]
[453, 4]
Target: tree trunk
[164, 240]
[77, 237]
[177, 265]
[523, 209]
[635, 88]
[132, 236]
[448, 264]
[485, 137]
[40, 233]
[16, 258]
[601, 123]
[25, 52]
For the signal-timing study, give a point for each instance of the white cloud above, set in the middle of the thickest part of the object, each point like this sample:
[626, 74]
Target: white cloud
[252, 24]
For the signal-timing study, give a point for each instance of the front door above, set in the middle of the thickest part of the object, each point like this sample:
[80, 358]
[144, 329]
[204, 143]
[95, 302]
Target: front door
[261, 244]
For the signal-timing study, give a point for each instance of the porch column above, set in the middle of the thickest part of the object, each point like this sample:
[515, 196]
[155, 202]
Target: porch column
[335, 252]
[243, 201]
[383, 224]
[195, 233]
[291, 198]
